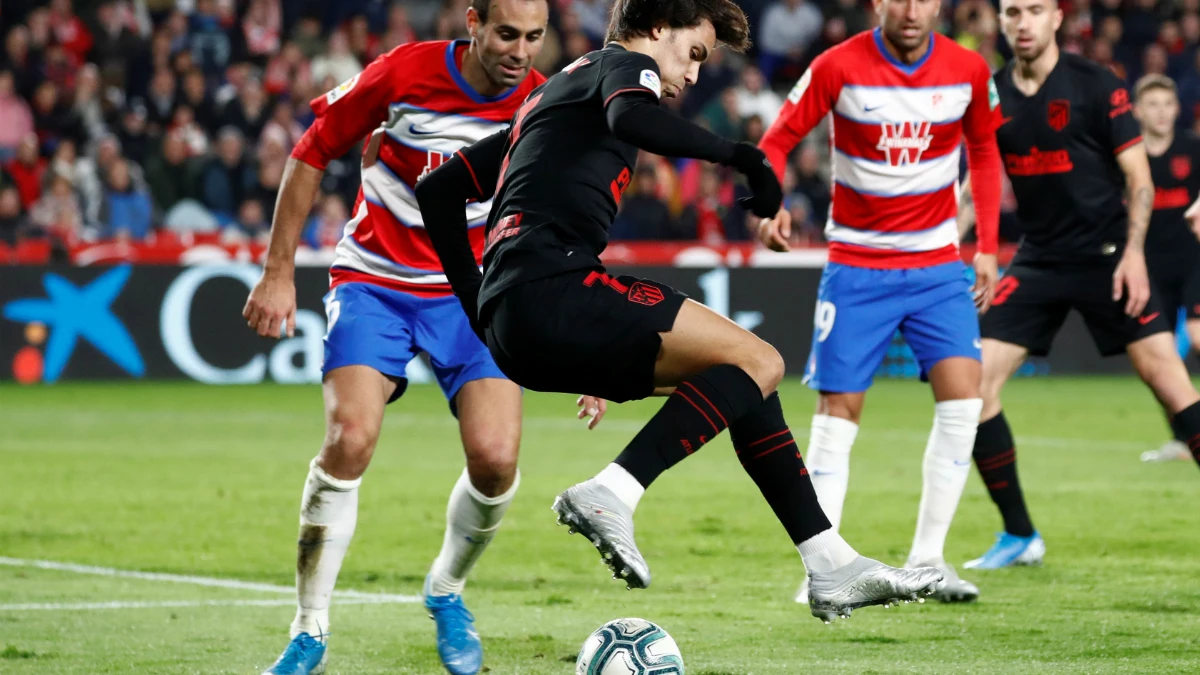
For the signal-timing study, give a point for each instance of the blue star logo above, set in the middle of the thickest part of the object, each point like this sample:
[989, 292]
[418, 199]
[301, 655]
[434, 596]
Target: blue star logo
[72, 312]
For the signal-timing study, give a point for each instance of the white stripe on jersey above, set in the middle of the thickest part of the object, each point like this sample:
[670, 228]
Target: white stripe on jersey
[383, 187]
[885, 180]
[427, 130]
[876, 105]
[352, 256]
[938, 236]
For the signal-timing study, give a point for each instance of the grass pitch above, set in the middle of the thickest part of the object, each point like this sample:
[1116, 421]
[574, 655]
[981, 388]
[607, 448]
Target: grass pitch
[188, 480]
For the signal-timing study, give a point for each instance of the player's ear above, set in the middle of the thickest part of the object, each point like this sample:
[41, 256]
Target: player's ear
[473, 22]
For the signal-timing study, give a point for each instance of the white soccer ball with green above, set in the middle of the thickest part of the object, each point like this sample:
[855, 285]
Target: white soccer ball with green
[629, 647]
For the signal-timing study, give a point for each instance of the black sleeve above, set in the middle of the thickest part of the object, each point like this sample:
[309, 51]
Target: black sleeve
[640, 121]
[629, 72]
[1121, 128]
[442, 195]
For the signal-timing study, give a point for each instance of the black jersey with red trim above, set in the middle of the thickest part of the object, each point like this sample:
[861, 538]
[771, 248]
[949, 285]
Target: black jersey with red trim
[563, 172]
[1059, 148]
[1176, 175]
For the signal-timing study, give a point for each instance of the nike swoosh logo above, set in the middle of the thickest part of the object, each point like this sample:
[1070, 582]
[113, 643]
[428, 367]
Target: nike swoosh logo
[870, 109]
[977, 344]
[818, 472]
[958, 463]
[412, 129]
[1147, 319]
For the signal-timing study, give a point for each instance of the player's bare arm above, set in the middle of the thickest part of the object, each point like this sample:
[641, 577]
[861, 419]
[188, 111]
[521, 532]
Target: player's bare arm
[1193, 217]
[272, 301]
[966, 209]
[1131, 276]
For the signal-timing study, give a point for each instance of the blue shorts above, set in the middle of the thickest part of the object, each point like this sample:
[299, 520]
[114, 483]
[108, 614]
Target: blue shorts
[860, 309]
[384, 329]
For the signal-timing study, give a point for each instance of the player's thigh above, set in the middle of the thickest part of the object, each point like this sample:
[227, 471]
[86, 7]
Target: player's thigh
[1191, 298]
[1027, 311]
[1157, 362]
[702, 338]
[1000, 362]
[1111, 328]
[1193, 334]
[942, 328]
[857, 314]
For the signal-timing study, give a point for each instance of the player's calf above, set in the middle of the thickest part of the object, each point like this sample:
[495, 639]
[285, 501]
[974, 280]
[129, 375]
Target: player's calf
[1159, 366]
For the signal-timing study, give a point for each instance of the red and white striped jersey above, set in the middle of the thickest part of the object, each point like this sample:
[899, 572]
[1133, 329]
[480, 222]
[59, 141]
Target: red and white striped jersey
[419, 110]
[896, 133]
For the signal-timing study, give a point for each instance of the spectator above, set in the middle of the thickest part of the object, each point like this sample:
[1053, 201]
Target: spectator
[127, 208]
[14, 223]
[161, 100]
[57, 211]
[853, 14]
[307, 36]
[788, 29]
[753, 129]
[116, 44]
[87, 105]
[251, 221]
[338, 62]
[754, 98]
[593, 18]
[809, 182]
[283, 119]
[27, 169]
[643, 216]
[712, 206]
[362, 44]
[195, 95]
[248, 112]
[261, 29]
[229, 177]
[18, 118]
[69, 30]
[287, 70]
[89, 173]
[209, 44]
[273, 152]
[716, 75]
[399, 31]
[21, 62]
[53, 119]
[172, 175]
[135, 141]
[326, 226]
[184, 123]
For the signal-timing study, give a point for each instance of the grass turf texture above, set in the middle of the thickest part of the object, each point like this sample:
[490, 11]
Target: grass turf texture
[206, 481]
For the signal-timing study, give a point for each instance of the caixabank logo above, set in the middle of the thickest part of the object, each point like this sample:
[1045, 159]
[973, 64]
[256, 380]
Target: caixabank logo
[67, 314]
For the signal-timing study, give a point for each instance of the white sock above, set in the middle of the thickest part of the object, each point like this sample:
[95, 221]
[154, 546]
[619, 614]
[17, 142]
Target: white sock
[946, 467]
[622, 483]
[828, 462]
[825, 552]
[328, 514]
[472, 520]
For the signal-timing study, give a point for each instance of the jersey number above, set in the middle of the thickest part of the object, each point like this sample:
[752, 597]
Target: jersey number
[825, 316]
[619, 184]
[1005, 288]
[433, 160]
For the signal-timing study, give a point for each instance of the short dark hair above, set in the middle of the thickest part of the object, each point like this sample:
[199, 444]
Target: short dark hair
[482, 7]
[636, 18]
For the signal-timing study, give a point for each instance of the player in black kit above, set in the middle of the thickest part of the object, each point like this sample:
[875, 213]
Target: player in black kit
[1071, 148]
[555, 320]
[1172, 247]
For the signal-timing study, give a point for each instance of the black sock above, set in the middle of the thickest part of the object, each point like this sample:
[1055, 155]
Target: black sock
[700, 409]
[1187, 425]
[768, 453]
[1179, 436]
[996, 457]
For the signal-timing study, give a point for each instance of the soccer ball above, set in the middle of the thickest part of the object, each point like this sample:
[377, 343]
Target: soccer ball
[629, 647]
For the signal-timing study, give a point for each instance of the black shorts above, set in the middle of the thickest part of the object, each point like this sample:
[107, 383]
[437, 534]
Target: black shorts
[1177, 282]
[1033, 299]
[582, 332]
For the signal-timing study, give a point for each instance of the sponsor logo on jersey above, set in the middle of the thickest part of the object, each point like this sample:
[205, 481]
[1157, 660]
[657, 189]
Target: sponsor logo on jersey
[904, 143]
[341, 90]
[1181, 167]
[1058, 114]
[1038, 162]
[1120, 103]
[649, 79]
[1170, 198]
[993, 95]
[801, 86]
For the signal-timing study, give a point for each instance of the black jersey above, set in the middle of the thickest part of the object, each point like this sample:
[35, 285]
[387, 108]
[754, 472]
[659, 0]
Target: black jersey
[563, 172]
[1176, 175]
[1059, 147]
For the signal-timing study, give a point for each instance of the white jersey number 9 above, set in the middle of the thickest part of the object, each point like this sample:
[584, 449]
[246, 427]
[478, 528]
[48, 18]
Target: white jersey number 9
[825, 316]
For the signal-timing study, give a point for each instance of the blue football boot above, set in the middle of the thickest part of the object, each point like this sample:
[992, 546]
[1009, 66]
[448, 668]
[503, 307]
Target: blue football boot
[458, 642]
[1010, 551]
[305, 655]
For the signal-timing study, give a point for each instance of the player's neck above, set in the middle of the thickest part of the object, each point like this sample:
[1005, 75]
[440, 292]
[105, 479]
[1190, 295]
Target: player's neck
[473, 72]
[1157, 145]
[1029, 76]
[641, 45]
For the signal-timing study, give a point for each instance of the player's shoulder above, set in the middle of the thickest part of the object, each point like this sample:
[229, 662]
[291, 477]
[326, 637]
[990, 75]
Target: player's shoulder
[615, 56]
[856, 50]
[948, 51]
[1082, 69]
[417, 54]
[1187, 142]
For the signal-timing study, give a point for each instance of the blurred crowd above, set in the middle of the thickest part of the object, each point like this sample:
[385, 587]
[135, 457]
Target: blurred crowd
[119, 118]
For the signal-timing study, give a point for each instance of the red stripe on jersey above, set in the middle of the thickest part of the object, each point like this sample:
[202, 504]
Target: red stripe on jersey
[893, 214]
[343, 275]
[866, 141]
[888, 259]
[626, 90]
[405, 162]
[385, 235]
[1128, 145]
[474, 179]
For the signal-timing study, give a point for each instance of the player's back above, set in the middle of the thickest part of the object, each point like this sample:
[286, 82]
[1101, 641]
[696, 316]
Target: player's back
[896, 135]
[1059, 148]
[564, 172]
[1176, 176]
[419, 111]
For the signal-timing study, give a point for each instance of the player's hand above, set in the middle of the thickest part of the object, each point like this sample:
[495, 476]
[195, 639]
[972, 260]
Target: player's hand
[592, 408]
[767, 197]
[987, 271]
[774, 232]
[1132, 277]
[271, 305]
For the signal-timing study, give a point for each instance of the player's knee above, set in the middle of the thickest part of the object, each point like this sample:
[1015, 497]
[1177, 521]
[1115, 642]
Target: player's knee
[842, 406]
[349, 445]
[766, 366]
[491, 459]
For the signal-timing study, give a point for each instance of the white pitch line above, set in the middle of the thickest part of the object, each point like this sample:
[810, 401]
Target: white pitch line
[195, 580]
[168, 604]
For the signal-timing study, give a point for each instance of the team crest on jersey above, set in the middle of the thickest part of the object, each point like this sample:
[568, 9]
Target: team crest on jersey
[649, 80]
[1058, 114]
[1181, 167]
[904, 143]
[341, 90]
